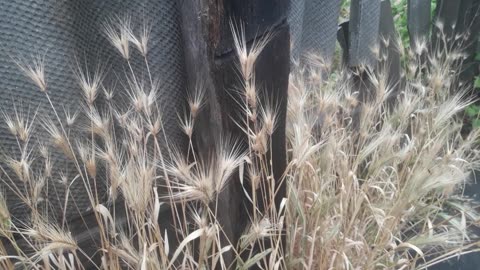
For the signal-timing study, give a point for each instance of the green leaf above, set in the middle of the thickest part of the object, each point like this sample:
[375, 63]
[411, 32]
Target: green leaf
[5, 224]
[477, 82]
[476, 123]
[472, 110]
[477, 57]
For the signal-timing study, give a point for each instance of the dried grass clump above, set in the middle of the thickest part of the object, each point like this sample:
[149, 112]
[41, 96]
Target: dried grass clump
[374, 181]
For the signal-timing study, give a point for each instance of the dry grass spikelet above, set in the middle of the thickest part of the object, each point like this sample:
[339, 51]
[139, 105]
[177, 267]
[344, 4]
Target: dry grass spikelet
[89, 84]
[50, 238]
[9, 121]
[202, 180]
[138, 183]
[247, 56]
[140, 41]
[186, 124]
[269, 117]
[99, 123]
[21, 168]
[258, 230]
[58, 138]
[70, 117]
[20, 125]
[35, 72]
[118, 32]
[4, 214]
[154, 126]
[88, 157]
[196, 100]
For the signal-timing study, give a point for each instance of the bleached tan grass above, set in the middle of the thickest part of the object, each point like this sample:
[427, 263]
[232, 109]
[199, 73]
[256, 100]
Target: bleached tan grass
[372, 184]
[373, 181]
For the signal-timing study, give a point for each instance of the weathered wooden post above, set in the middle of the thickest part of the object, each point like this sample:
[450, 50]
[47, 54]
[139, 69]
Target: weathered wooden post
[364, 26]
[418, 21]
[458, 22]
[313, 25]
[210, 57]
[389, 50]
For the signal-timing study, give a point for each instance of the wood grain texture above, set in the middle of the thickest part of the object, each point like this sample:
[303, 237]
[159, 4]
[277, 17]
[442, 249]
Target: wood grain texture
[210, 58]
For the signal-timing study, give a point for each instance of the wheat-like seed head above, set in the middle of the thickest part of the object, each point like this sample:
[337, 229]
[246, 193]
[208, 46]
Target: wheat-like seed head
[89, 84]
[4, 214]
[118, 32]
[58, 138]
[196, 100]
[247, 56]
[50, 238]
[35, 72]
[140, 41]
[370, 184]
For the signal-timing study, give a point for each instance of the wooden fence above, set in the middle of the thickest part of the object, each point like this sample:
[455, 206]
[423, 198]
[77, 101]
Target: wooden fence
[315, 29]
[312, 25]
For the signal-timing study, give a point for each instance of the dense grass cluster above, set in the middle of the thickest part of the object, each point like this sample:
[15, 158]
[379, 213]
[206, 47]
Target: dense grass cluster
[379, 172]
[374, 179]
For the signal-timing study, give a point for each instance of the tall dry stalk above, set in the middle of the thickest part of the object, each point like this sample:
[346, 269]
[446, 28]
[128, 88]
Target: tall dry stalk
[376, 184]
[371, 183]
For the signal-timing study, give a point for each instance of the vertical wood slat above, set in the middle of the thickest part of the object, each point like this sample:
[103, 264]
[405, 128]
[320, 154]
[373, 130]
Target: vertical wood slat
[342, 38]
[197, 52]
[458, 27]
[447, 14]
[295, 20]
[320, 26]
[314, 25]
[444, 22]
[468, 26]
[418, 20]
[363, 27]
[211, 58]
[390, 56]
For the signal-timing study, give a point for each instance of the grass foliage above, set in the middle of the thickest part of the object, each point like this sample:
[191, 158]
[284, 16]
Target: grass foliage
[374, 178]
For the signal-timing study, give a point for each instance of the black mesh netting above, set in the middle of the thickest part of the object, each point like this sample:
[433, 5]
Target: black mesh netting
[66, 33]
[313, 25]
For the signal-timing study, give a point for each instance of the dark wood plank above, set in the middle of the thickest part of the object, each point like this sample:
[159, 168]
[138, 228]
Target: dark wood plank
[468, 25]
[418, 20]
[342, 38]
[363, 26]
[389, 62]
[444, 23]
[258, 17]
[314, 25]
[210, 57]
